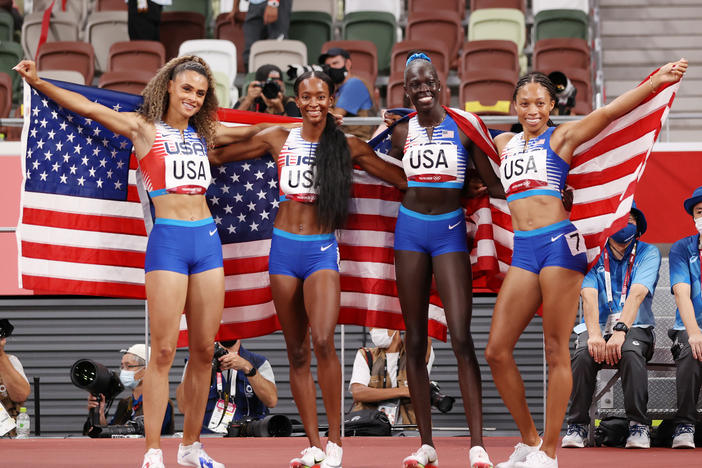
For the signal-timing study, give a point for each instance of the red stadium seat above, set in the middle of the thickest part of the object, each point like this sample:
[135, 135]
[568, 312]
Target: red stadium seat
[110, 5]
[179, 26]
[5, 95]
[454, 6]
[140, 55]
[132, 81]
[479, 55]
[227, 29]
[364, 56]
[568, 52]
[488, 91]
[68, 55]
[438, 25]
[478, 4]
[433, 48]
[583, 83]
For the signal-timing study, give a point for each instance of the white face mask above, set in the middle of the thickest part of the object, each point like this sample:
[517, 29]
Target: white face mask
[127, 379]
[380, 337]
[698, 224]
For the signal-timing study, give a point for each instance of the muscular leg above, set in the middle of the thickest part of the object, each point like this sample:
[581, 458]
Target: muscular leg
[165, 294]
[455, 284]
[204, 307]
[321, 295]
[413, 273]
[517, 302]
[560, 288]
[289, 305]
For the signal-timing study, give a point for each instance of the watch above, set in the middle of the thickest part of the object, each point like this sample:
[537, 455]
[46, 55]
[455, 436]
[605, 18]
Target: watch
[273, 3]
[252, 372]
[620, 326]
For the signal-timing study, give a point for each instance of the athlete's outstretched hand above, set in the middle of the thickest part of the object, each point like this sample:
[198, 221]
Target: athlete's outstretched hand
[28, 70]
[670, 72]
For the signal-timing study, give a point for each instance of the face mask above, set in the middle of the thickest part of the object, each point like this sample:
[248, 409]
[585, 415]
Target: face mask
[698, 224]
[337, 75]
[380, 337]
[127, 379]
[625, 235]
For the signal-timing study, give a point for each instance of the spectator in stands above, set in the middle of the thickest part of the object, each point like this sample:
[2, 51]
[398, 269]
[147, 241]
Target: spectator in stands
[241, 377]
[265, 19]
[379, 378]
[685, 258]
[352, 97]
[14, 386]
[617, 330]
[144, 19]
[262, 96]
[8, 6]
[131, 375]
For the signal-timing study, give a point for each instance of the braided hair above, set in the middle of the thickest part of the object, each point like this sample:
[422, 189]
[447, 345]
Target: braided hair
[539, 78]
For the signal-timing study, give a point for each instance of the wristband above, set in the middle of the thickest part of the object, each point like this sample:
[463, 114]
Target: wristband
[650, 82]
[273, 3]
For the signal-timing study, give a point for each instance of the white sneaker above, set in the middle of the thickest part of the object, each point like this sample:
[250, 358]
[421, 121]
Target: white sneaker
[425, 457]
[195, 455]
[521, 451]
[639, 436]
[333, 453]
[576, 436]
[479, 458]
[684, 436]
[311, 457]
[153, 458]
[538, 459]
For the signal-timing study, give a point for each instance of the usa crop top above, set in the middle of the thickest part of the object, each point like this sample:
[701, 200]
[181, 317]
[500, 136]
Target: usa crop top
[176, 163]
[532, 169]
[437, 162]
[296, 169]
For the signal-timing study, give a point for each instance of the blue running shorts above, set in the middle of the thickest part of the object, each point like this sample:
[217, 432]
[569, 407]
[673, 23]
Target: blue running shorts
[300, 255]
[186, 247]
[431, 234]
[558, 244]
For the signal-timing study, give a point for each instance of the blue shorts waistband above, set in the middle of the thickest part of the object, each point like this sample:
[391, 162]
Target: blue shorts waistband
[184, 223]
[529, 193]
[303, 237]
[445, 185]
[427, 217]
[158, 193]
[543, 230]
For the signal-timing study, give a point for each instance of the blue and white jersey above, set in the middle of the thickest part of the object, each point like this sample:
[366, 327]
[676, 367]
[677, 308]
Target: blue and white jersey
[532, 168]
[684, 260]
[296, 168]
[439, 161]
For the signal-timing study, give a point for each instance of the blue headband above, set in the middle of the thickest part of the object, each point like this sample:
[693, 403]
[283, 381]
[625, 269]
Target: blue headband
[418, 56]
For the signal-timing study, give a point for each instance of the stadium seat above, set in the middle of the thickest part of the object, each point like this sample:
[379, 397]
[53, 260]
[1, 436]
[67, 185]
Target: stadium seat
[179, 26]
[325, 6]
[396, 92]
[480, 4]
[487, 92]
[438, 25]
[435, 49]
[281, 53]
[7, 26]
[220, 55]
[364, 57]
[62, 55]
[195, 6]
[10, 55]
[479, 55]
[231, 31]
[5, 95]
[140, 55]
[132, 81]
[313, 28]
[393, 7]
[497, 23]
[110, 5]
[70, 76]
[539, 5]
[550, 24]
[63, 27]
[583, 83]
[222, 87]
[76, 9]
[561, 52]
[376, 26]
[454, 6]
[103, 29]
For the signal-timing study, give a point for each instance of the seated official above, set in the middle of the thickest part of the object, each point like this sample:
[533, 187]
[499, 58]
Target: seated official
[131, 375]
[14, 386]
[617, 330]
[247, 387]
[379, 378]
[685, 281]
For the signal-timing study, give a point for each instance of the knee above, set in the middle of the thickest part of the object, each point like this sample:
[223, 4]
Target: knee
[323, 346]
[162, 356]
[201, 353]
[299, 358]
[462, 345]
[497, 356]
[557, 353]
[632, 359]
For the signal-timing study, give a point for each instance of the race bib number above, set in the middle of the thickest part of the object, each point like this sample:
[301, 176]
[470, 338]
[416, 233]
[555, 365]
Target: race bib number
[298, 182]
[431, 162]
[576, 243]
[523, 171]
[187, 171]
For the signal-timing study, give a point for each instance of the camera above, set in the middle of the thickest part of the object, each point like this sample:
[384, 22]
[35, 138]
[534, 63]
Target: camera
[132, 427]
[442, 402]
[269, 88]
[565, 92]
[5, 328]
[273, 425]
[97, 379]
[219, 351]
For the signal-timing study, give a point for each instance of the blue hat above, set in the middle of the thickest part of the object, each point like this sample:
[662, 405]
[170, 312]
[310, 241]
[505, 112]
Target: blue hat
[641, 224]
[693, 200]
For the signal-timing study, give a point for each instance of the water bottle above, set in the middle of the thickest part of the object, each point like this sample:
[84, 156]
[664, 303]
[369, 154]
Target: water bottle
[23, 424]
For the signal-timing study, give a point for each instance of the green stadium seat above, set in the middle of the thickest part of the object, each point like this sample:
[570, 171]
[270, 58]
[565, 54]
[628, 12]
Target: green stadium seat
[10, 55]
[222, 86]
[313, 28]
[498, 23]
[376, 26]
[7, 26]
[550, 24]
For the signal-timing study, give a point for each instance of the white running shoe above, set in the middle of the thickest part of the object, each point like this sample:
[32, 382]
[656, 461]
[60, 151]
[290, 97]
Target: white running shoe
[684, 436]
[479, 458]
[576, 436]
[638, 436]
[521, 451]
[153, 458]
[538, 459]
[311, 457]
[425, 457]
[333, 453]
[195, 455]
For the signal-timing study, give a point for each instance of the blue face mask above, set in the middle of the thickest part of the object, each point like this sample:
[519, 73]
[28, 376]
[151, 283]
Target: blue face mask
[625, 234]
[127, 379]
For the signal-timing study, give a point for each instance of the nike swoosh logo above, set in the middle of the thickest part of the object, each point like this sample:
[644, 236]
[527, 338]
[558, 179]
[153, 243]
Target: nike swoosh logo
[693, 259]
[554, 239]
[325, 247]
[213, 232]
[451, 226]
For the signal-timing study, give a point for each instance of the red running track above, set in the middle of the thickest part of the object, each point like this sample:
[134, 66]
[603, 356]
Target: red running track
[359, 452]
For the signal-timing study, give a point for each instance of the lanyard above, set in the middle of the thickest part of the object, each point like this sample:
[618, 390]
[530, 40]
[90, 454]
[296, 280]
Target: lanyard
[231, 377]
[625, 283]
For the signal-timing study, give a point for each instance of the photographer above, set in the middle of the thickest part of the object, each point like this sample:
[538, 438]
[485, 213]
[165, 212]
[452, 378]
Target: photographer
[241, 380]
[266, 94]
[131, 374]
[14, 386]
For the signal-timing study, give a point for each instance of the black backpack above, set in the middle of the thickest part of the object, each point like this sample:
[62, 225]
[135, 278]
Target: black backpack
[612, 432]
[367, 422]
